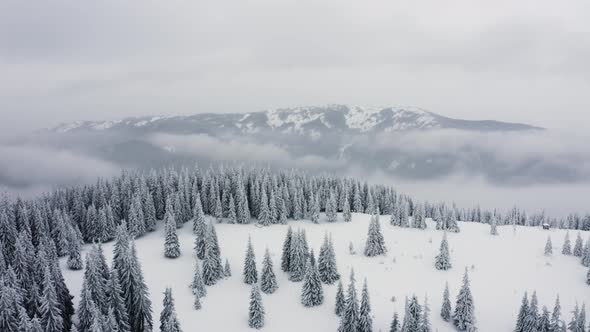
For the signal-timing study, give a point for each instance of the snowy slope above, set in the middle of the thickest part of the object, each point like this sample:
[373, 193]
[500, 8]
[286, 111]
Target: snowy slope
[501, 269]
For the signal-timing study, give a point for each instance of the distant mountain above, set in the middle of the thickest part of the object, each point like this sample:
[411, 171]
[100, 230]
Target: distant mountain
[404, 141]
[313, 121]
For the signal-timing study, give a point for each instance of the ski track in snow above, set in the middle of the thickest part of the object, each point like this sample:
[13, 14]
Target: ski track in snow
[501, 268]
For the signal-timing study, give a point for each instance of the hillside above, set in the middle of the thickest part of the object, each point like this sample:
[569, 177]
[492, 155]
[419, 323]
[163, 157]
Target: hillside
[501, 269]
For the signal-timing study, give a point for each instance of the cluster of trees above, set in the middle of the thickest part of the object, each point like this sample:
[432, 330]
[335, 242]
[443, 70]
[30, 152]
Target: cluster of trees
[580, 250]
[530, 319]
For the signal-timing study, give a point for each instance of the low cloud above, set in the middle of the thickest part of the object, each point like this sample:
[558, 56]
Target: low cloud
[27, 169]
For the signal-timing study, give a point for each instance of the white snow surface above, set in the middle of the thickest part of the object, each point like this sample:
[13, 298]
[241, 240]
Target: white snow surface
[500, 268]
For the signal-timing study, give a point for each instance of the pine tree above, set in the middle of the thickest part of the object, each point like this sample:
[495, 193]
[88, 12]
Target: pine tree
[556, 317]
[365, 320]
[531, 318]
[586, 254]
[268, 280]
[264, 216]
[350, 316]
[315, 209]
[256, 312]
[445, 311]
[464, 315]
[567, 247]
[395, 327]
[168, 319]
[375, 244]
[51, 315]
[285, 258]
[425, 325]
[340, 300]
[8, 321]
[443, 259]
[312, 293]
[413, 315]
[548, 247]
[171, 245]
[227, 269]
[298, 258]
[210, 275]
[494, 225]
[75, 258]
[327, 262]
[588, 277]
[116, 302]
[544, 322]
[573, 325]
[250, 272]
[346, 215]
[197, 285]
[232, 217]
[578, 246]
[331, 208]
[85, 309]
[139, 306]
[522, 314]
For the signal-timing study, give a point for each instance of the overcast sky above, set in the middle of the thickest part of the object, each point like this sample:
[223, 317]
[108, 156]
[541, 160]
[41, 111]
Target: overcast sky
[523, 60]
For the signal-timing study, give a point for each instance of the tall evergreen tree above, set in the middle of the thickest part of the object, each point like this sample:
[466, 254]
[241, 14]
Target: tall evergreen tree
[250, 272]
[268, 280]
[256, 312]
[286, 255]
[298, 257]
[327, 262]
[586, 254]
[425, 325]
[544, 322]
[578, 246]
[464, 315]
[548, 247]
[197, 285]
[443, 259]
[340, 300]
[365, 319]
[413, 315]
[375, 244]
[168, 319]
[532, 316]
[227, 269]
[51, 315]
[171, 244]
[331, 208]
[350, 317]
[395, 326]
[75, 257]
[312, 293]
[567, 247]
[116, 302]
[346, 215]
[522, 314]
[556, 317]
[445, 311]
[315, 209]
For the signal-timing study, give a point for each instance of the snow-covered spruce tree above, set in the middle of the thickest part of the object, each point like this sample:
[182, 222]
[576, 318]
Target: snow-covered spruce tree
[256, 312]
[315, 209]
[425, 325]
[331, 208]
[199, 225]
[494, 225]
[250, 272]
[286, 255]
[346, 215]
[171, 245]
[588, 277]
[85, 309]
[522, 314]
[532, 316]
[340, 300]
[350, 316]
[464, 315]
[116, 302]
[375, 244]
[74, 258]
[365, 320]
[312, 293]
[566, 249]
[544, 322]
[232, 216]
[197, 302]
[395, 326]
[227, 269]
[578, 246]
[198, 285]
[573, 324]
[327, 262]
[210, 275]
[443, 259]
[298, 258]
[548, 247]
[268, 280]
[413, 315]
[556, 316]
[50, 312]
[445, 311]
[8, 308]
[168, 314]
[139, 305]
[264, 217]
[586, 254]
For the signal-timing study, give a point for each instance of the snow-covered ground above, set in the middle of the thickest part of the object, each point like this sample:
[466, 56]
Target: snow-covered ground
[501, 268]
